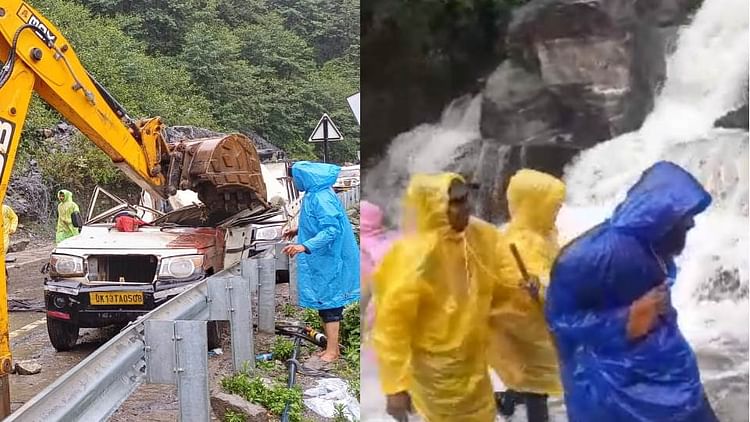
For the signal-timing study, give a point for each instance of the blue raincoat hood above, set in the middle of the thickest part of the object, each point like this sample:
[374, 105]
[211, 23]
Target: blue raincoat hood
[314, 177]
[664, 195]
[595, 280]
[328, 275]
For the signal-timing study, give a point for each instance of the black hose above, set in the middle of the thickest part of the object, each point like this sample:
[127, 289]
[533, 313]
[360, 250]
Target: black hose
[7, 68]
[296, 331]
[292, 375]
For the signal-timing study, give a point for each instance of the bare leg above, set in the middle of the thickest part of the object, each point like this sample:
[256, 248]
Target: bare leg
[332, 335]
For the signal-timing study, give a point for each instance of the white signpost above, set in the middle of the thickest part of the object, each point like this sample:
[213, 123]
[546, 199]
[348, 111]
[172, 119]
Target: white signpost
[354, 105]
[324, 132]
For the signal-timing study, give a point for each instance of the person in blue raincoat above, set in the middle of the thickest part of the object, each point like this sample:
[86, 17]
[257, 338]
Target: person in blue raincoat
[622, 355]
[327, 251]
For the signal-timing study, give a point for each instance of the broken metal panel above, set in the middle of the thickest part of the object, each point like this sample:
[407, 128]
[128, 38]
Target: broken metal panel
[120, 205]
[101, 237]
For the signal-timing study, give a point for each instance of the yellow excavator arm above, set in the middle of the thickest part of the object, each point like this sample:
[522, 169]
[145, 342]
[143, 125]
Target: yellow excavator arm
[35, 56]
[40, 59]
[225, 172]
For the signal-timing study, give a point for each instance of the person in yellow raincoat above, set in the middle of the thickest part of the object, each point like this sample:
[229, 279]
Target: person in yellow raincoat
[434, 293]
[10, 224]
[65, 210]
[521, 336]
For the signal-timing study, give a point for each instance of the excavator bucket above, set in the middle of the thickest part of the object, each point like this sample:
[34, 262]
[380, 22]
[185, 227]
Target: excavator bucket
[224, 171]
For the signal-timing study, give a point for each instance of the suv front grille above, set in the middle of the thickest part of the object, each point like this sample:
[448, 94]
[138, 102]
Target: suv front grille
[122, 268]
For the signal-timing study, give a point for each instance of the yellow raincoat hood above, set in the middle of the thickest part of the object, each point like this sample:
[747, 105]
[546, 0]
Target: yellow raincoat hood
[65, 210]
[434, 294]
[521, 339]
[10, 224]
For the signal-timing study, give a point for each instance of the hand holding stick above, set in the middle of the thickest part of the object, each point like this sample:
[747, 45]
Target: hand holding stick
[530, 282]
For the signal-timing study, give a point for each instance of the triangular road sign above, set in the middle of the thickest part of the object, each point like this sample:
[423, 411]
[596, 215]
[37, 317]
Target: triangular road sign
[325, 125]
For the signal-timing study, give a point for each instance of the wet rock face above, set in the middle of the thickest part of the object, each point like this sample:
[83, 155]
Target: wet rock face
[418, 56]
[666, 12]
[183, 133]
[725, 284]
[580, 72]
[28, 194]
[489, 165]
[567, 74]
[736, 119]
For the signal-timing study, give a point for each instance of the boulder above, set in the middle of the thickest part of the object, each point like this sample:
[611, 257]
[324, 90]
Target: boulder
[221, 403]
[579, 72]
[18, 243]
[27, 368]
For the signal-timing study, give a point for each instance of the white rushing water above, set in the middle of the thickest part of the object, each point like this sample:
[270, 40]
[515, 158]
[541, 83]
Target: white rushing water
[424, 149]
[706, 75]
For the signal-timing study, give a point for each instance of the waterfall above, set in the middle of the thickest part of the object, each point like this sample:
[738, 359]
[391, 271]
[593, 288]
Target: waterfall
[707, 76]
[705, 79]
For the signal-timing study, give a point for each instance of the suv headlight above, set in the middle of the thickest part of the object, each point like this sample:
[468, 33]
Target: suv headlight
[268, 233]
[66, 265]
[181, 267]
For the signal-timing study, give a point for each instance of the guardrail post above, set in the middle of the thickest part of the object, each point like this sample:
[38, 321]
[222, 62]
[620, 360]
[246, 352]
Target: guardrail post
[249, 268]
[282, 260]
[230, 300]
[176, 353]
[266, 294]
[241, 325]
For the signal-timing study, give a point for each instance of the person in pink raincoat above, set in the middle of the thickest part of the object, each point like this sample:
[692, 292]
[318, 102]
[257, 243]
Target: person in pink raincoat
[374, 241]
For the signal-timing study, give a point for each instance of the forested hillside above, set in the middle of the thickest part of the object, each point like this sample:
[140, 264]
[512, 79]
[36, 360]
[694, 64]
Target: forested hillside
[267, 66]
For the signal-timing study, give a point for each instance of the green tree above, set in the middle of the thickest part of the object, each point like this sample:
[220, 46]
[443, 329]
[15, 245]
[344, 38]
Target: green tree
[145, 85]
[268, 66]
[161, 24]
[271, 46]
[241, 12]
[331, 27]
[241, 93]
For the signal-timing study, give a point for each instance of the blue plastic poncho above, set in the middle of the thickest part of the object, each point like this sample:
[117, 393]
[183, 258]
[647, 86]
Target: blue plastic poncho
[594, 281]
[327, 276]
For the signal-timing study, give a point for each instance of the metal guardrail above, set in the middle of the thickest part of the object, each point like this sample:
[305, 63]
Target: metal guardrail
[169, 345]
[349, 197]
[166, 346]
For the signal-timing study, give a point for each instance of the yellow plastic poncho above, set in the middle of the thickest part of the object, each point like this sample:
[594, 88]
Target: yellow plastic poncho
[434, 293]
[521, 339]
[65, 210]
[10, 224]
